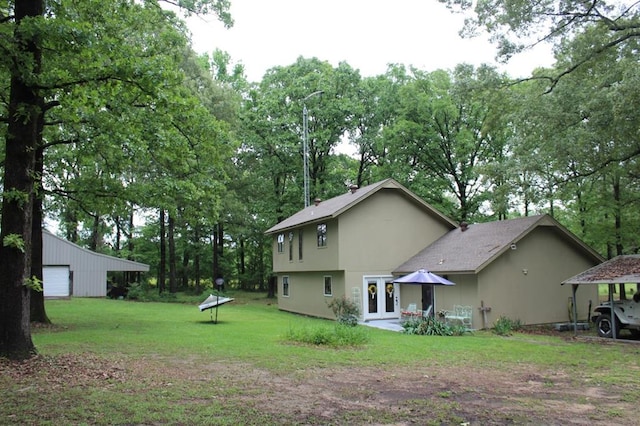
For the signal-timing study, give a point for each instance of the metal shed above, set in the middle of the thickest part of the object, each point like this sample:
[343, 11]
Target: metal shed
[71, 270]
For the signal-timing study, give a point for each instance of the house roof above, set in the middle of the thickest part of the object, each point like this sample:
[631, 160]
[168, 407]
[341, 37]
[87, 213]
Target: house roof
[333, 207]
[471, 250]
[619, 270]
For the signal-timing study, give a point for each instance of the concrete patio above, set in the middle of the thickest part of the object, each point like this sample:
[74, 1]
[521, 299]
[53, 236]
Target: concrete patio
[391, 324]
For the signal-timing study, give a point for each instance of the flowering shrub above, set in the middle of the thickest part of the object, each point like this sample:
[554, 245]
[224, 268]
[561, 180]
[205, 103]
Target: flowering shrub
[345, 310]
[505, 326]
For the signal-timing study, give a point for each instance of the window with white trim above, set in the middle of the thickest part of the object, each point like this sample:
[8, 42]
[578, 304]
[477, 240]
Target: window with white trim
[328, 286]
[300, 244]
[322, 235]
[291, 246]
[280, 243]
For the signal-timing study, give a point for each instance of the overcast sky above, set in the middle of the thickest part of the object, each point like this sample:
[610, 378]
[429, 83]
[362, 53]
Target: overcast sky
[367, 34]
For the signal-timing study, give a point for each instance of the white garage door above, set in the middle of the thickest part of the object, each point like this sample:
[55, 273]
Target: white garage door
[56, 281]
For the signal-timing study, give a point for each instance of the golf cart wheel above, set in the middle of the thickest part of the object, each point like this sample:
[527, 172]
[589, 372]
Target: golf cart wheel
[605, 327]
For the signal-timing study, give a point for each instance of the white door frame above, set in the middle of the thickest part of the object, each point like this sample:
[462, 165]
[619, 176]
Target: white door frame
[382, 308]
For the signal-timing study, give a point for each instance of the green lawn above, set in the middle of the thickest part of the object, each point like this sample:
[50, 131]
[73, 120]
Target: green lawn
[141, 364]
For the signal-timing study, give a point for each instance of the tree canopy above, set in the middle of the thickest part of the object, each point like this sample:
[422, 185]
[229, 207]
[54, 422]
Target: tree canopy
[136, 146]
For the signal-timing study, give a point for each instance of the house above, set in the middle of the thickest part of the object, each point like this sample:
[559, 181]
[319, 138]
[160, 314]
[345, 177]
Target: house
[511, 268]
[354, 245]
[70, 270]
[348, 246]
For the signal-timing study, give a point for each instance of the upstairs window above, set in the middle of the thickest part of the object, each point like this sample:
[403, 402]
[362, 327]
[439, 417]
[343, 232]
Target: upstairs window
[280, 243]
[300, 245]
[290, 246]
[322, 235]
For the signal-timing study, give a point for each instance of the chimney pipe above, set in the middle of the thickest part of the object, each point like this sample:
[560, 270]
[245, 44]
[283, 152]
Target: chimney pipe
[353, 188]
[317, 201]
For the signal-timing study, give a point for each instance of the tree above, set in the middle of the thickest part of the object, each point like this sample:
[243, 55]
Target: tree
[100, 55]
[577, 145]
[375, 110]
[26, 104]
[521, 24]
[277, 107]
[446, 133]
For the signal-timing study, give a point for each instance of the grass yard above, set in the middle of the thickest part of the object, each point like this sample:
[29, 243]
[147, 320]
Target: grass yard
[119, 362]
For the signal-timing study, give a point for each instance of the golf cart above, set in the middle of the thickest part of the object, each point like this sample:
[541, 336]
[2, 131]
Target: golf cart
[627, 315]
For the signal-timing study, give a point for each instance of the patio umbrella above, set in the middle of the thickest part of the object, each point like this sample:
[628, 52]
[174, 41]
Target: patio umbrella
[422, 276]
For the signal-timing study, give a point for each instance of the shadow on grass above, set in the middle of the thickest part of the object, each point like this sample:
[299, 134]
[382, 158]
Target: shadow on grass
[211, 322]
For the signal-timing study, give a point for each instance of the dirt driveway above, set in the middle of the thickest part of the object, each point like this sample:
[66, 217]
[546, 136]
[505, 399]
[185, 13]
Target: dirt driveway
[418, 395]
[439, 395]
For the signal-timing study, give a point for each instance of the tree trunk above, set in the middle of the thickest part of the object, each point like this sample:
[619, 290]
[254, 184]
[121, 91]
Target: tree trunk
[617, 197]
[162, 267]
[185, 269]
[273, 284]
[24, 121]
[70, 224]
[217, 251]
[243, 267]
[196, 260]
[130, 245]
[38, 312]
[173, 280]
[96, 237]
[116, 248]
[130, 277]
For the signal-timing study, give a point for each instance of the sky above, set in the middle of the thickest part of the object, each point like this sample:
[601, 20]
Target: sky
[366, 34]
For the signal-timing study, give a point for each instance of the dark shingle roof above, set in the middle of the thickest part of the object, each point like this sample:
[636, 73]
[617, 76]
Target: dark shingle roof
[470, 251]
[619, 270]
[335, 206]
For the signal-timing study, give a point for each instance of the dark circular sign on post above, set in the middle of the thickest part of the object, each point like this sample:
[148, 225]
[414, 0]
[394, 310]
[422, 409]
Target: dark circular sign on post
[219, 283]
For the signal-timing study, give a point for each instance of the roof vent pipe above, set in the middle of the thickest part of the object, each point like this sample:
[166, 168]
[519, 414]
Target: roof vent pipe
[317, 201]
[464, 226]
[353, 188]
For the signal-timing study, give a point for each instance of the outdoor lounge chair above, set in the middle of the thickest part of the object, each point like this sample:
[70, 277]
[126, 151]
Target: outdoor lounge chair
[411, 312]
[462, 315]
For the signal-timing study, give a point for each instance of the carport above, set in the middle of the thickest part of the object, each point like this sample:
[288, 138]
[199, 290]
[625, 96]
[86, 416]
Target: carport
[620, 270]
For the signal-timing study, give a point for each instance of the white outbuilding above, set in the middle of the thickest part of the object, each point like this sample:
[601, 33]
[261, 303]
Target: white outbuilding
[70, 270]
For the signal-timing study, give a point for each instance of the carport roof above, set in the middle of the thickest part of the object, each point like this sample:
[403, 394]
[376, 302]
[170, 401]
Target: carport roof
[619, 270]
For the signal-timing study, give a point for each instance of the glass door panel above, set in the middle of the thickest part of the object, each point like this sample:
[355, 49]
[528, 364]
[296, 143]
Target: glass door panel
[372, 296]
[389, 297]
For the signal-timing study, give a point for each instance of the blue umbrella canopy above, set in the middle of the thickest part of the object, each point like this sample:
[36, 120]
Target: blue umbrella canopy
[422, 276]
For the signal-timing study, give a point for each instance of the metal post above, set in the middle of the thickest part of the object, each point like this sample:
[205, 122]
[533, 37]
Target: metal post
[305, 154]
[305, 145]
[217, 303]
[614, 330]
[219, 283]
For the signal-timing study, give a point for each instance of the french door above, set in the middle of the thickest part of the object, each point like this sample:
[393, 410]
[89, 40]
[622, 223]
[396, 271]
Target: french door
[381, 298]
